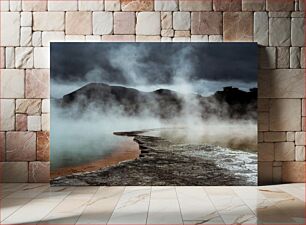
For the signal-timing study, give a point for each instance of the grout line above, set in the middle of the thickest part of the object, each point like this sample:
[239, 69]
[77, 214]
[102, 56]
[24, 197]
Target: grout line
[88, 201]
[116, 205]
[149, 205]
[178, 201]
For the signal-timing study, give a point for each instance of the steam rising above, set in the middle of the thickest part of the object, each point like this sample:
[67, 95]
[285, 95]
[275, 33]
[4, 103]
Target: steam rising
[82, 137]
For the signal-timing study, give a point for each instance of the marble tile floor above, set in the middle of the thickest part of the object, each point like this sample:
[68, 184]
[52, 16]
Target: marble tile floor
[42, 204]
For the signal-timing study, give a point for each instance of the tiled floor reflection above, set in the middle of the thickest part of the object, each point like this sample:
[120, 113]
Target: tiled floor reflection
[42, 204]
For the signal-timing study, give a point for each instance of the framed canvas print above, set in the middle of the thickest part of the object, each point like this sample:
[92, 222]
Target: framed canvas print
[173, 114]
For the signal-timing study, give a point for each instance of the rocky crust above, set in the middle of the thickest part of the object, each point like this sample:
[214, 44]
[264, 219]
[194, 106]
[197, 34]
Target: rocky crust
[160, 163]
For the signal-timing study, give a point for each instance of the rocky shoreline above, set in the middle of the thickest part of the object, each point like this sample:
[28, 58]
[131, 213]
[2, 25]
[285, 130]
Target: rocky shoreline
[161, 163]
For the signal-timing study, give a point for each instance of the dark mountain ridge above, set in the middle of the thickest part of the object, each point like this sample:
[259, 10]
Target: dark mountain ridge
[163, 103]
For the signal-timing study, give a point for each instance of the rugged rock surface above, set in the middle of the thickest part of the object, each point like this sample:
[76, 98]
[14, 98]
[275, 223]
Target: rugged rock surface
[164, 163]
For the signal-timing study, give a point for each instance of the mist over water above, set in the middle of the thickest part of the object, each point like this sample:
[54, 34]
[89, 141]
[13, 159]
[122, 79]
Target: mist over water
[79, 138]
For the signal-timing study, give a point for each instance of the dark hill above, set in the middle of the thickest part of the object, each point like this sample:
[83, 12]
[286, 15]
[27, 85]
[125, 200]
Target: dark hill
[231, 102]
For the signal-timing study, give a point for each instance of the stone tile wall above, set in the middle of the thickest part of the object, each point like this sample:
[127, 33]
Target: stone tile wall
[28, 26]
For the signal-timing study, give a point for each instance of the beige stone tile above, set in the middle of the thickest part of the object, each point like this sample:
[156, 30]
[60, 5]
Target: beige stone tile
[277, 174]
[206, 23]
[119, 38]
[78, 23]
[132, 207]
[279, 32]
[37, 39]
[264, 173]
[182, 33]
[303, 58]
[274, 83]
[5, 5]
[195, 204]
[45, 122]
[199, 38]
[293, 172]
[34, 5]
[253, 5]
[228, 5]
[290, 136]
[28, 106]
[21, 122]
[43, 146]
[124, 22]
[301, 5]
[295, 57]
[25, 214]
[166, 20]
[10, 29]
[7, 114]
[24, 57]
[143, 38]
[52, 36]
[169, 5]
[48, 21]
[37, 83]
[300, 138]
[238, 26]
[275, 136]
[137, 5]
[9, 206]
[167, 33]
[34, 123]
[279, 14]
[46, 105]
[300, 153]
[297, 32]
[39, 172]
[2, 146]
[10, 57]
[181, 21]
[285, 115]
[14, 172]
[58, 5]
[263, 105]
[25, 36]
[166, 39]
[93, 38]
[267, 58]
[2, 57]
[102, 23]
[164, 207]
[261, 28]
[20, 146]
[75, 38]
[26, 19]
[181, 39]
[15, 6]
[265, 152]
[283, 5]
[112, 5]
[215, 38]
[41, 57]
[91, 5]
[263, 121]
[284, 151]
[197, 5]
[100, 208]
[143, 28]
[283, 57]
[12, 83]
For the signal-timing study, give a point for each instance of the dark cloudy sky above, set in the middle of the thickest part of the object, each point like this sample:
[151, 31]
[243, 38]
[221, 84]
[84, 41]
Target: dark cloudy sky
[207, 66]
